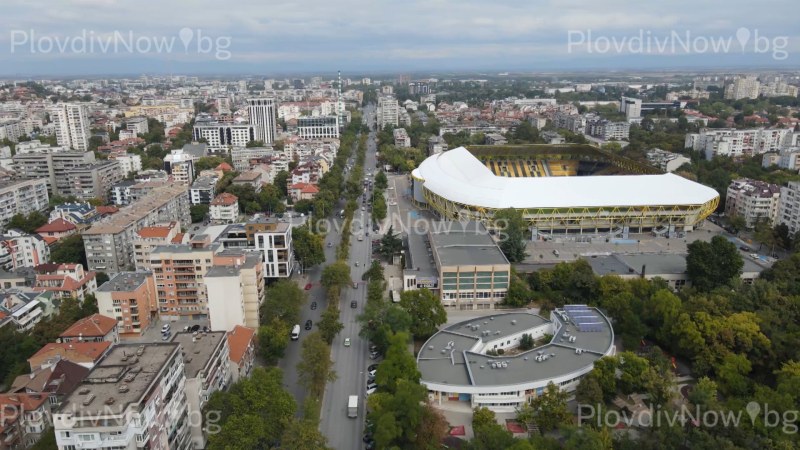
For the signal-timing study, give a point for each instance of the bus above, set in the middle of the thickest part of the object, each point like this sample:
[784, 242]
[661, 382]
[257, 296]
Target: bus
[296, 332]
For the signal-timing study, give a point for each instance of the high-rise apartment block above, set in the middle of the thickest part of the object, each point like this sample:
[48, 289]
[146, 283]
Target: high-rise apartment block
[738, 143]
[263, 113]
[275, 242]
[789, 209]
[753, 200]
[235, 289]
[72, 125]
[22, 197]
[631, 107]
[179, 271]
[129, 298]
[134, 398]
[742, 87]
[108, 243]
[388, 112]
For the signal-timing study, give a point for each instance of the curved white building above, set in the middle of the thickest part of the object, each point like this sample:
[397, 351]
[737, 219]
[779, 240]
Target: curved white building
[455, 366]
[459, 186]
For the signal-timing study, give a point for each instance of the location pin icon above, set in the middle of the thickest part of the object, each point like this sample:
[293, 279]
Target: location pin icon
[753, 409]
[742, 35]
[186, 35]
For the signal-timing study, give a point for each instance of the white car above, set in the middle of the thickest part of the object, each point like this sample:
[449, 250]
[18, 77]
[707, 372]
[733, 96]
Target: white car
[347, 342]
[370, 392]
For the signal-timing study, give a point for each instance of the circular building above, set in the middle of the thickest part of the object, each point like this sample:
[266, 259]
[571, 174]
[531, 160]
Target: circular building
[561, 189]
[462, 367]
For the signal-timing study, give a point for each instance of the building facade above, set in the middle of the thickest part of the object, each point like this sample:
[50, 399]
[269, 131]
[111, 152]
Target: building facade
[262, 112]
[130, 298]
[275, 243]
[753, 200]
[179, 271]
[71, 125]
[318, 127]
[789, 209]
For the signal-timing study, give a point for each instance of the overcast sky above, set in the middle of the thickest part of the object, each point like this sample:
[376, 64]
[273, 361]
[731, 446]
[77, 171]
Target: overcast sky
[268, 37]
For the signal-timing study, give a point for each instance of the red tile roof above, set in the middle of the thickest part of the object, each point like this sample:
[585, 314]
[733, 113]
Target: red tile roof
[94, 325]
[239, 339]
[224, 199]
[178, 239]
[92, 350]
[50, 240]
[57, 226]
[107, 210]
[305, 188]
[225, 167]
[154, 232]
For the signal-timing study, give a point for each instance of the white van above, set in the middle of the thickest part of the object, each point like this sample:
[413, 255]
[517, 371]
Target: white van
[296, 332]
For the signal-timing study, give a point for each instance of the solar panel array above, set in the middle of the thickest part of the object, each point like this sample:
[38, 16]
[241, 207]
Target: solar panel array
[584, 318]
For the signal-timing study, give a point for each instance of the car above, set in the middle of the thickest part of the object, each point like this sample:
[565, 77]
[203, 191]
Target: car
[165, 336]
[363, 209]
[186, 329]
[308, 286]
[354, 304]
[195, 328]
[347, 342]
[373, 348]
[744, 248]
[373, 372]
[309, 323]
[372, 386]
[367, 233]
[370, 392]
[165, 328]
[313, 305]
[374, 355]
[372, 367]
[355, 285]
[330, 244]
[356, 263]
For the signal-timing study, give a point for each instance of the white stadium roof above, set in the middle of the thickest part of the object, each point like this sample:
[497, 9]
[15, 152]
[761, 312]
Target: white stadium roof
[459, 176]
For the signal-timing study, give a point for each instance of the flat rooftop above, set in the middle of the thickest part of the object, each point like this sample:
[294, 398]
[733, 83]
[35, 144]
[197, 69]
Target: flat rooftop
[123, 377]
[458, 244]
[198, 349]
[125, 281]
[129, 215]
[448, 357]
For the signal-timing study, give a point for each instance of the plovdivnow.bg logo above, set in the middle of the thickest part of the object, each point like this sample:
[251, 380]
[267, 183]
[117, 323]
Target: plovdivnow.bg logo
[194, 41]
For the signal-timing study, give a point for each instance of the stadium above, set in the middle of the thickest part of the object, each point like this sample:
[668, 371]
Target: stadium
[561, 189]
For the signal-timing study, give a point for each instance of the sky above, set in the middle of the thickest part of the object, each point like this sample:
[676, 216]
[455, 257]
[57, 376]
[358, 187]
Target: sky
[263, 37]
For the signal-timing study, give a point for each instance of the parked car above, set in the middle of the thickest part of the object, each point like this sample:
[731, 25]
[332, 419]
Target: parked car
[744, 248]
[165, 336]
[165, 328]
[330, 244]
[308, 324]
[355, 285]
[308, 286]
[374, 355]
[313, 305]
[372, 367]
[354, 304]
[370, 392]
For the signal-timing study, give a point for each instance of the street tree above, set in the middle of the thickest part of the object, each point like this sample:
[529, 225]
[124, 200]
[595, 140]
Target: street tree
[308, 247]
[198, 213]
[551, 409]
[283, 301]
[399, 364]
[273, 337]
[329, 324]
[336, 276]
[426, 312]
[513, 233]
[315, 368]
[302, 434]
[391, 243]
[381, 182]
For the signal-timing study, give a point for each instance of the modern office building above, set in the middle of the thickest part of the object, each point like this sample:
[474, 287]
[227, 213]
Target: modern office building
[109, 243]
[477, 363]
[318, 127]
[130, 298]
[205, 358]
[263, 116]
[275, 243]
[753, 200]
[134, 398]
[71, 125]
[221, 136]
[22, 197]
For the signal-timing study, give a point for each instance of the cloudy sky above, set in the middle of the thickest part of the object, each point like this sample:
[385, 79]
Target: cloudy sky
[103, 37]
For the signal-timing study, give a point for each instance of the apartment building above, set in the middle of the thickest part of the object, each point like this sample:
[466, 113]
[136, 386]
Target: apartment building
[54, 381]
[666, 161]
[203, 190]
[742, 87]
[21, 310]
[19, 249]
[235, 288]
[134, 398]
[318, 127]
[575, 123]
[130, 298]
[94, 328]
[24, 418]
[262, 113]
[12, 129]
[121, 192]
[275, 243]
[388, 112]
[179, 271]
[436, 145]
[55, 230]
[608, 130]
[220, 136]
[631, 107]
[65, 281]
[224, 208]
[242, 345]
[180, 165]
[753, 200]
[205, 359]
[242, 156]
[149, 237]
[789, 208]
[401, 138]
[738, 143]
[68, 172]
[138, 125]
[91, 181]
[128, 163]
[85, 354]
[71, 122]
[109, 243]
